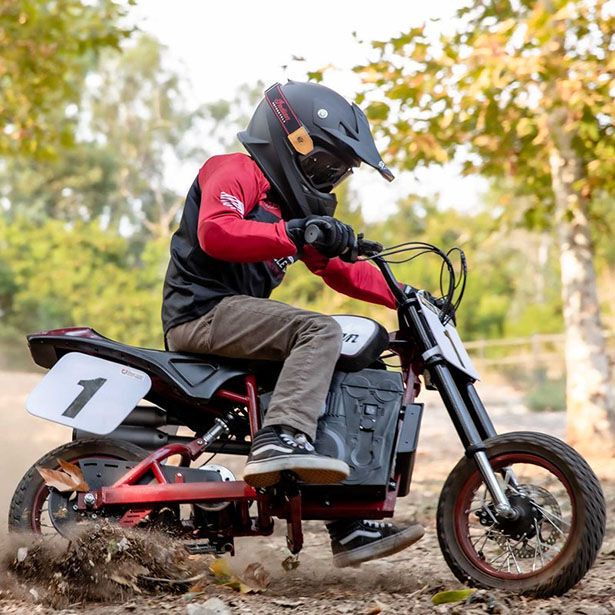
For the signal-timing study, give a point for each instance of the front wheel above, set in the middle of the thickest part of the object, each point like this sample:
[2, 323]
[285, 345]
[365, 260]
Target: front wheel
[559, 522]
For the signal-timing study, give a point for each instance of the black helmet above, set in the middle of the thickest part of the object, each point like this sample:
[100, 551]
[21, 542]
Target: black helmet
[306, 139]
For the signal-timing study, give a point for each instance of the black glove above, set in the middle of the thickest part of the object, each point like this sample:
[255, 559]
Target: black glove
[295, 229]
[335, 238]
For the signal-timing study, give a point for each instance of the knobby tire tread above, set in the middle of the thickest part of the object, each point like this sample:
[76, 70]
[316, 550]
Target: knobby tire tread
[590, 501]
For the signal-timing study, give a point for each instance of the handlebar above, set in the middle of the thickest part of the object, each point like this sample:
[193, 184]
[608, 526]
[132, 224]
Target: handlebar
[374, 251]
[313, 234]
[363, 247]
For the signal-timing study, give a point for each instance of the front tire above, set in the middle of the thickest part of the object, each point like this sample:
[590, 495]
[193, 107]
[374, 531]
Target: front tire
[560, 525]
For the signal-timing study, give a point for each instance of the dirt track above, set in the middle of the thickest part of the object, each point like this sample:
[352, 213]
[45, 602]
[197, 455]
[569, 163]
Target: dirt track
[401, 584]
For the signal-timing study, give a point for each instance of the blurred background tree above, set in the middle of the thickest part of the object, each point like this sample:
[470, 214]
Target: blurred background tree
[521, 92]
[46, 50]
[134, 126]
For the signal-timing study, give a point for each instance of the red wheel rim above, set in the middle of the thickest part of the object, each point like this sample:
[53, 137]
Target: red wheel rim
[464, 503]
[42, 494]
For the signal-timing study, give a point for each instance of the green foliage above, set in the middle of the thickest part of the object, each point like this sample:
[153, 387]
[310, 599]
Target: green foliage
[46, 49]
[64, 262]
[140, 117]
[492, 91]
[82, 183]
[223, 119]
[137, 124]
[54, 275]
[547, 395]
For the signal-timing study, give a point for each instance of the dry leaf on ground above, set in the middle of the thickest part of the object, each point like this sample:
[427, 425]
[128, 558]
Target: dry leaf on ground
[257, 578]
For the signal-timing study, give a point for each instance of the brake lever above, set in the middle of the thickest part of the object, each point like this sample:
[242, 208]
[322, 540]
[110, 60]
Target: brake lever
[366, 247]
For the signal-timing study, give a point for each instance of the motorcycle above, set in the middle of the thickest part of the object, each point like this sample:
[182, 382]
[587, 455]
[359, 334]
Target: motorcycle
[521, 511]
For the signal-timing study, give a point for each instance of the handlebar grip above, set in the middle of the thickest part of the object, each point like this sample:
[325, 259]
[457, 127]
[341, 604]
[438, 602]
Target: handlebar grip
[313, 233]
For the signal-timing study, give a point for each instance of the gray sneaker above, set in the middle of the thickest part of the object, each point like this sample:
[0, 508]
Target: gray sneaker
[275, 450]
[354, 542]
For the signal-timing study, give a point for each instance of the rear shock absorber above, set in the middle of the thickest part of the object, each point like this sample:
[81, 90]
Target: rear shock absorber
[220, 427]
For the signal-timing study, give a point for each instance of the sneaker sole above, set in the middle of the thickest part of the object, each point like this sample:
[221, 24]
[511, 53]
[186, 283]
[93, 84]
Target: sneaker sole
[381, 548]
[314, 471]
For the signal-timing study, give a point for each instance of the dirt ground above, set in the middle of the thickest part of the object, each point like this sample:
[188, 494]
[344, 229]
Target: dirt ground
[403, 583]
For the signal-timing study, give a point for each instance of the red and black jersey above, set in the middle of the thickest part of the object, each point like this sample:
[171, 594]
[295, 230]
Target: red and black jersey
[232, 241]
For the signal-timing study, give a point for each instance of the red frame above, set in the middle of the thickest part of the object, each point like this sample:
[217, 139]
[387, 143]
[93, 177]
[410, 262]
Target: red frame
[295, 507]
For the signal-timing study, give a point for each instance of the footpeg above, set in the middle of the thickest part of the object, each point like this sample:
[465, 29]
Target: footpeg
[209, 548]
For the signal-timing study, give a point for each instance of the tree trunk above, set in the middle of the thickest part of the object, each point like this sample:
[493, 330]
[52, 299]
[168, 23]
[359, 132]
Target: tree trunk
[589, 390]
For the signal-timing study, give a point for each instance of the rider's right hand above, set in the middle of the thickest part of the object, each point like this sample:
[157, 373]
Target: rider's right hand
[334, 239]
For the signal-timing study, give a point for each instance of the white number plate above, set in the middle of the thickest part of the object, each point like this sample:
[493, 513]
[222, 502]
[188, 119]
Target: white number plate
[88, 393]
[448, 340]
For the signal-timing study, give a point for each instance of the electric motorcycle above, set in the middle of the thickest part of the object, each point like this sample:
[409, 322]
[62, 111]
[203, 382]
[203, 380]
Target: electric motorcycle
[520, 511]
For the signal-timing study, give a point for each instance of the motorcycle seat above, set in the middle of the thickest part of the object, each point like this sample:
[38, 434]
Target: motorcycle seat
[193, 378]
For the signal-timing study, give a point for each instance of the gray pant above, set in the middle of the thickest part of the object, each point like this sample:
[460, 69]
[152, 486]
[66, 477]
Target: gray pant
[243, 327]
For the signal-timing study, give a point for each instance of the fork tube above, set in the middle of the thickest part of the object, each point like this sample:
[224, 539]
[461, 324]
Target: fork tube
[480, 411]
[456, 407]
[462, 418]
[502, 505]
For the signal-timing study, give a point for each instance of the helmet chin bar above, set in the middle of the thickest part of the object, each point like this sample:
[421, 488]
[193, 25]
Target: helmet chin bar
[320, 206]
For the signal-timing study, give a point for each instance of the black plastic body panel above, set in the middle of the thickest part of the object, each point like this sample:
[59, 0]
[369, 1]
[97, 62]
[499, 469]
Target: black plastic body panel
[407, 445]
[360, 426]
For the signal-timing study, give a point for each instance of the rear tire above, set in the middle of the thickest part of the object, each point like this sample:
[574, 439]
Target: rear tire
[586, 531]
[25, 509]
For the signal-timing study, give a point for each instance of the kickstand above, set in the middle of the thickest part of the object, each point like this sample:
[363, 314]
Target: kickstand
[294, 531]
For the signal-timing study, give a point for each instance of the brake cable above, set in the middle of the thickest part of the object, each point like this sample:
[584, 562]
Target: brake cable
[449, 303]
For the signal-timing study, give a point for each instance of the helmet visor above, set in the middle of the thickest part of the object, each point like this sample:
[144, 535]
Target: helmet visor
[323, 169]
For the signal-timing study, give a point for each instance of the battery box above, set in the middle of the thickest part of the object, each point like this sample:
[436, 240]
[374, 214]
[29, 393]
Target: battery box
[360, 426]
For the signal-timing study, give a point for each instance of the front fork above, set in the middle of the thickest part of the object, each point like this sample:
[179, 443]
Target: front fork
[466, 424]
[470, 419]
[464, 419]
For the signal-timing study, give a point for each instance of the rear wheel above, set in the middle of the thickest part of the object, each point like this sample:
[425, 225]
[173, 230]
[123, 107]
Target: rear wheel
[37, 508]
[559, 525]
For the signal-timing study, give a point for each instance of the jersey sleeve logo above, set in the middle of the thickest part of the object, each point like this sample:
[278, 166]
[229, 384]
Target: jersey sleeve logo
[228, 200]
